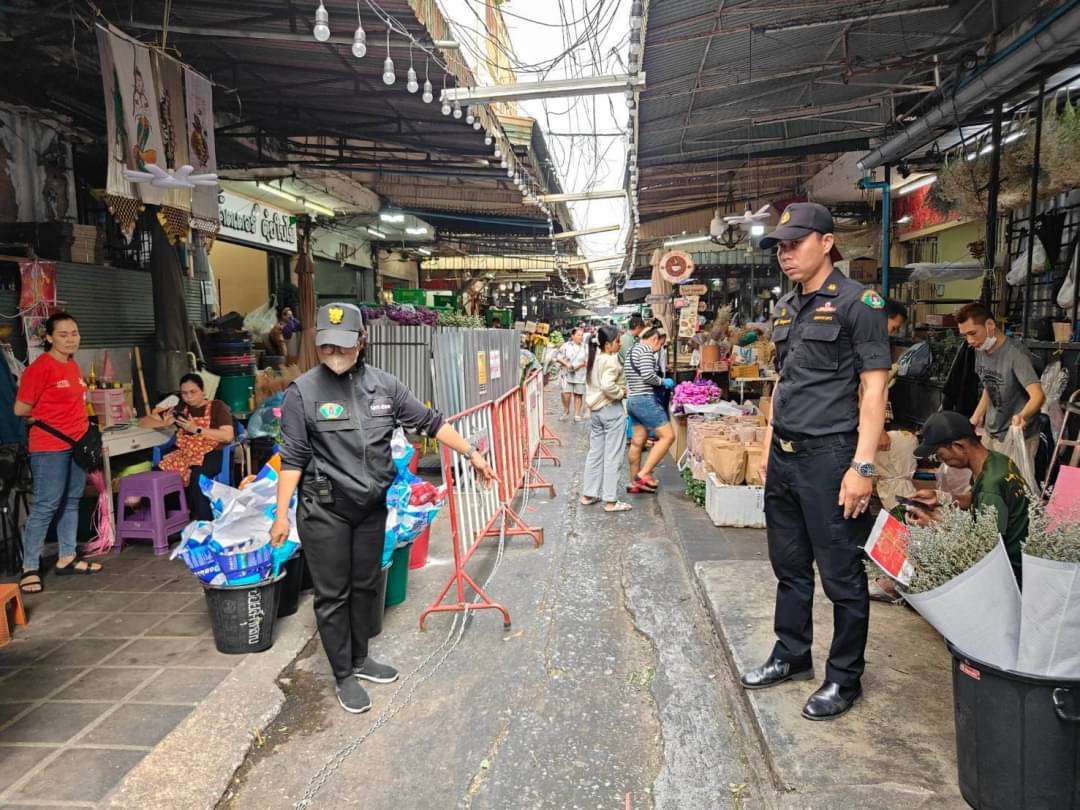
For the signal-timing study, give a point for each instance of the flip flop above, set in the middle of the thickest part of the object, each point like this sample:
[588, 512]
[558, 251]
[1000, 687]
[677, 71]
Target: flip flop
[72, 568]
[618, 506]
[650, 483]
[637, 489]
[588, 501]
[30, 582]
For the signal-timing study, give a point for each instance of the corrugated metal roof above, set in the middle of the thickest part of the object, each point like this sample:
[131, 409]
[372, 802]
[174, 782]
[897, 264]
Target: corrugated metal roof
[809, 75]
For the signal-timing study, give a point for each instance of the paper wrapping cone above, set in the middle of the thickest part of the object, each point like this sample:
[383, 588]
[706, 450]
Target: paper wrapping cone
[1050, 619]
[978, 611]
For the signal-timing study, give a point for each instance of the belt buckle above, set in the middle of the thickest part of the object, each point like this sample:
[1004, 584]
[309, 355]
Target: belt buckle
[786, 446]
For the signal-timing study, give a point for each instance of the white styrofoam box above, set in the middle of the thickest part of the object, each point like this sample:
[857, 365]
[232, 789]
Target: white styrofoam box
[740, 506]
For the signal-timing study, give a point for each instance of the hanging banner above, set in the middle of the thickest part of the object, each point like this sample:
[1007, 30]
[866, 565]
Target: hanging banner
[169, 89]
[202, 153]
[109, 44]
[136, 75]
[37, 284]
[251, 222]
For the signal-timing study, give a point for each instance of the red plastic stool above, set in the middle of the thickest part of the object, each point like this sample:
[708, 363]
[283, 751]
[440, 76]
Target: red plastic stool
[10, 594]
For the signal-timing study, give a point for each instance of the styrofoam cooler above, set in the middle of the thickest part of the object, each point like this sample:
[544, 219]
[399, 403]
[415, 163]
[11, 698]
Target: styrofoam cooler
[736, 506]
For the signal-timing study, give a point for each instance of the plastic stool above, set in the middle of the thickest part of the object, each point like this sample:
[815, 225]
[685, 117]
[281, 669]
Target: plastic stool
[10, 593]
[150, 520]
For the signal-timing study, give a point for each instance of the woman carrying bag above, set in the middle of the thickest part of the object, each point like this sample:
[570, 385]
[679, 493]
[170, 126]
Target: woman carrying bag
[52, 393]
[605, 394]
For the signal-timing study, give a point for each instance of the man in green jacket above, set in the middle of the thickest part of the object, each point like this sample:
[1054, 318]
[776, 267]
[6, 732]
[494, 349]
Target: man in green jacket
[996, 480]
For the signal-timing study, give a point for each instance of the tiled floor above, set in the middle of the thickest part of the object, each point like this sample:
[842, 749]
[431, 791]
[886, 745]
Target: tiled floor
[109, 665]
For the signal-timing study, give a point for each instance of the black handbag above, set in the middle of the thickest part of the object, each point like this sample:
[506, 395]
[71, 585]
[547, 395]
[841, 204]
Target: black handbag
[86, 452]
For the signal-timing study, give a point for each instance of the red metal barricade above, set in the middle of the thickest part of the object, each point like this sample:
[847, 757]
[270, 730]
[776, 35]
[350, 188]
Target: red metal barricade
[535, 406]
[499, 431]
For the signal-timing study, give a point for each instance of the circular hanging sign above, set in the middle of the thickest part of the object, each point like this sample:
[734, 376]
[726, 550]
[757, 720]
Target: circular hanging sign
[676, 266]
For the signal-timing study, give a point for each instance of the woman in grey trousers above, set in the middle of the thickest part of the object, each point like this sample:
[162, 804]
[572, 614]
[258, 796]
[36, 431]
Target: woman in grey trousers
[605, 393]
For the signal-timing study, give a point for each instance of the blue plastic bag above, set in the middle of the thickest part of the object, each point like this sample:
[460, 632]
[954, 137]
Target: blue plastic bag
[411, 502]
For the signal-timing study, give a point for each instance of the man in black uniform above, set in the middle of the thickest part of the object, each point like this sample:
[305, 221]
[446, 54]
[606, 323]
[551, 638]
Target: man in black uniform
[337, 421]
[830, 335]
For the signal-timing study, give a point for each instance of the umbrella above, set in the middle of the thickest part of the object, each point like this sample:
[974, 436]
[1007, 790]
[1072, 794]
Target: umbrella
[305, 275]
[661, 286]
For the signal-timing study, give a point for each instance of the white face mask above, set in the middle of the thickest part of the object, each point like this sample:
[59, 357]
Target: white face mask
[340, 363]
[990, 342]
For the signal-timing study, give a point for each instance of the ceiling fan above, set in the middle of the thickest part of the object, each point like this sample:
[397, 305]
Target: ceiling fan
[749, 217]
[167, 178]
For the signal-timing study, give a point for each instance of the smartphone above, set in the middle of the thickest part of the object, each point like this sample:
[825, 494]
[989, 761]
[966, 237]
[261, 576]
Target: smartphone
[922, 507]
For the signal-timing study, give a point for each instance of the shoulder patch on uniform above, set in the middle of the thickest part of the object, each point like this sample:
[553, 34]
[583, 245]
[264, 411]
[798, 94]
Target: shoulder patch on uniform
[331, 411]
[831, 286]
[873, 300]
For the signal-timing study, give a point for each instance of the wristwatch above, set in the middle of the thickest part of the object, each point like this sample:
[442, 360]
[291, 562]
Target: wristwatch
[469, 451]
[865, 469]
[198, 431]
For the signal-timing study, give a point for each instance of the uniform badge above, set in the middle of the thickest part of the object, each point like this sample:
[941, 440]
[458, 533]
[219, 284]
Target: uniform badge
[827, 307]
[331, 410]
[336, 315]
[873, 300]
[831, 287]
[785, 218]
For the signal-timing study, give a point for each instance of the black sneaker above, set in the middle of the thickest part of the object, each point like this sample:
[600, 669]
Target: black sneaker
[372, 670]
[352, 696]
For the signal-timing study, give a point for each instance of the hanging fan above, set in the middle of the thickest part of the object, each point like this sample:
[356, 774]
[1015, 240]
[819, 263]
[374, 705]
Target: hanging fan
[167, 178]
[750, 217]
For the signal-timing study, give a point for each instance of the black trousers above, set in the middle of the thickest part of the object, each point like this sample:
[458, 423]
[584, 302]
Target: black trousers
[198, 504]
[805, 525]
[343, 550]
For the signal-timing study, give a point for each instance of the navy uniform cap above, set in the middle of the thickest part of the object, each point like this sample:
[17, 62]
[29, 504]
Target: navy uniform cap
[944, 427]
[338, 325]
[797, 221]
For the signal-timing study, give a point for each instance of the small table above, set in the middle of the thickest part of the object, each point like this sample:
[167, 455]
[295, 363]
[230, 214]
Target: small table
[120, 441]
[766, 383]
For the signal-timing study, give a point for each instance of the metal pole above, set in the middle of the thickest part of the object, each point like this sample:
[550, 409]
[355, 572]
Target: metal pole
[1034, 205]
[886, 230]
[992, 199]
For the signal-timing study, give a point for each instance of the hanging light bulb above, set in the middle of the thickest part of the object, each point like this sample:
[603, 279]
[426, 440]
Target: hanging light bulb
[446, 108]
[488, 139]
[457, 109]
[428, 95]
[503, 163]
[498, 152]
[322, 23]
[470, 117]
[388, 76]
[477, 125]
[410, 81]
[359, 43]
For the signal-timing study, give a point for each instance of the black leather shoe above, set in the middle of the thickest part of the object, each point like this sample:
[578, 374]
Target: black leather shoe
[775, 671]
[830, 701]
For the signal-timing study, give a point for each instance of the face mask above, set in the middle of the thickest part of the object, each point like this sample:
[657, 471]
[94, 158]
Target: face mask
[990, 342]
[340, 363]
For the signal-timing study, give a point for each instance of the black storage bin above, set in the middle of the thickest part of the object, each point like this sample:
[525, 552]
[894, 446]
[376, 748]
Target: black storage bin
[289, 589]
[1017, 738]
[242, 616]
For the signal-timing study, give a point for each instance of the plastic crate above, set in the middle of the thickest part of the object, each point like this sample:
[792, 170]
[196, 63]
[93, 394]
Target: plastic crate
[406, 296]
[735, 506]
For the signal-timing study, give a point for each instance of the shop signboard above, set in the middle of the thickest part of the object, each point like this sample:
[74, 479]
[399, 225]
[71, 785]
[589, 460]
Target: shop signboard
[653, 300]
[693, 289]
[255, 223]
[676, 266]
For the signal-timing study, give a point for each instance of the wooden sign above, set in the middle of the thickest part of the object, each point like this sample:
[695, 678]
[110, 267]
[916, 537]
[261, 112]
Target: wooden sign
[676, 266]
[693, 289]
[651, 300]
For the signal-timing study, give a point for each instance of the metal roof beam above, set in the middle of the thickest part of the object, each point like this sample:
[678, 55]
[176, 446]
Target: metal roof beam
[555, 88]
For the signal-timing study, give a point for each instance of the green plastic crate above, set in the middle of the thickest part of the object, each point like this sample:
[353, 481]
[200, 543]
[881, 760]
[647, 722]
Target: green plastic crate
[415, 297]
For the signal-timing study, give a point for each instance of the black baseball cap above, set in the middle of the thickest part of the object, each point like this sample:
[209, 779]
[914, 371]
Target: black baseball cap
[943, 428]
[338, 325]
[797, 221]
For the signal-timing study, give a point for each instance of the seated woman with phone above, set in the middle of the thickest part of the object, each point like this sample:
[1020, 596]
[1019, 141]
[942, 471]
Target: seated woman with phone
[203, 428]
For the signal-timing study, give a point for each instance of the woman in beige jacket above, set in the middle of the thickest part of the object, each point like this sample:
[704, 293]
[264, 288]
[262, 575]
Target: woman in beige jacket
[605, 393]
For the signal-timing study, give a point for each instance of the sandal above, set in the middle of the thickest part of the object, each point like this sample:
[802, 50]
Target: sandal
[637, 489]
[73, 568]
[586, 501]
[618, 506]
[30, 582]
[650, 483]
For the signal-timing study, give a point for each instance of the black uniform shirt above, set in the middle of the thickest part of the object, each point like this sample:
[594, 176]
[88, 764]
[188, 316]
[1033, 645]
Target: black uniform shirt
[824, 340]
[345, 424]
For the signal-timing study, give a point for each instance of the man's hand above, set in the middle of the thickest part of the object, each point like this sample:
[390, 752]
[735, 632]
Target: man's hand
[763, 467]
[481, 465]
[279, 532]
[977, 419]
[884, 443]
[855, 494]
[1019, 421]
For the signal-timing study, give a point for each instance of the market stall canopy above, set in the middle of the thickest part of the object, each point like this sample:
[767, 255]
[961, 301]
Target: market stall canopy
[748, 101]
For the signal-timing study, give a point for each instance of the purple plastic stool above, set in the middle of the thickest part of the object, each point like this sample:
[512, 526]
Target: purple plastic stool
[150, 520]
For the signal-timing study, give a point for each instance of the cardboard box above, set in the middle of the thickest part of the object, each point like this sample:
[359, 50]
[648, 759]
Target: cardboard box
[750, 371]
[864, 270]
[940, 319]
[678, 447]
[743, 506]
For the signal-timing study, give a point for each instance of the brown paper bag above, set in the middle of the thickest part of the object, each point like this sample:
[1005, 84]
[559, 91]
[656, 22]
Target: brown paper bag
[727, 460]
[765, 407]
[753, 465]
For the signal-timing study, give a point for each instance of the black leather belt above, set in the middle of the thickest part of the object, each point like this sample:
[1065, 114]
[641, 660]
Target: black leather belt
[814, 442]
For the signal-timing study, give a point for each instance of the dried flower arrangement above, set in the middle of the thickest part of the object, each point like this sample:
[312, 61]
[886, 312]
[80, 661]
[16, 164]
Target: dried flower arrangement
[950, 546]
[1053, 537]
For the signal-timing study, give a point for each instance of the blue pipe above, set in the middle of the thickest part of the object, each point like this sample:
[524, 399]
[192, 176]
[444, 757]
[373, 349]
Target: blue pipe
[885, 186]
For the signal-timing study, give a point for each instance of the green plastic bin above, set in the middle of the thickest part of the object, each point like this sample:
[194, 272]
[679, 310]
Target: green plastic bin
[404, 295]
[397, 583]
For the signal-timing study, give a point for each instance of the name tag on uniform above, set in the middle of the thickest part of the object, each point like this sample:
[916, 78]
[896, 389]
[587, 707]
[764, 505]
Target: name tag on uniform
[781, 321]
[824, 318]
[331, 412]
[381, 406]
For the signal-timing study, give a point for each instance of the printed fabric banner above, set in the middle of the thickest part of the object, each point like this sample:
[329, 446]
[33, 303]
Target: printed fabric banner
[116, 184]
[201, 152]
[143, 124]
[169, 88]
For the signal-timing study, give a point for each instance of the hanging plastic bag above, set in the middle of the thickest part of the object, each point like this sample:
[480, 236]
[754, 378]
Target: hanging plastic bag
[1055, 381]
[1018, 271]
[262, 319]
[1067, 291]
[916, 361]
[411, 502]
[1016, 449]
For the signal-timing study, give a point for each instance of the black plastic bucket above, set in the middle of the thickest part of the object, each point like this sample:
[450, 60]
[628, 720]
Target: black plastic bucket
[1017, 738]
[242, 616]
[289, 589]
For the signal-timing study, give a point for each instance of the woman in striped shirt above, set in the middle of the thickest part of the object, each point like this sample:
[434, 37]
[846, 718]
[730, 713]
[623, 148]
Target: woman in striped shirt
[643, 380]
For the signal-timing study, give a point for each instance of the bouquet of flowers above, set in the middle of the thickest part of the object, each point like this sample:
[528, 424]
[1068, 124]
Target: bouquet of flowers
[705, 392]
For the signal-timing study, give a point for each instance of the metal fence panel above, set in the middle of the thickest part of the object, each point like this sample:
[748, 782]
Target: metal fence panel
[405, 352]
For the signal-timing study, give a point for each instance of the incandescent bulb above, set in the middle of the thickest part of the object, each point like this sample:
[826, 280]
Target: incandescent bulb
[428, 96]
[410, 81]
[446, 108]
[388, 76]
[359, 43]
[322, 23]
[457, 110]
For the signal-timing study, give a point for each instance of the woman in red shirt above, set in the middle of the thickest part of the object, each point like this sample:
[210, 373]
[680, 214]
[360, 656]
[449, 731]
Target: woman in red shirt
[52, 391]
